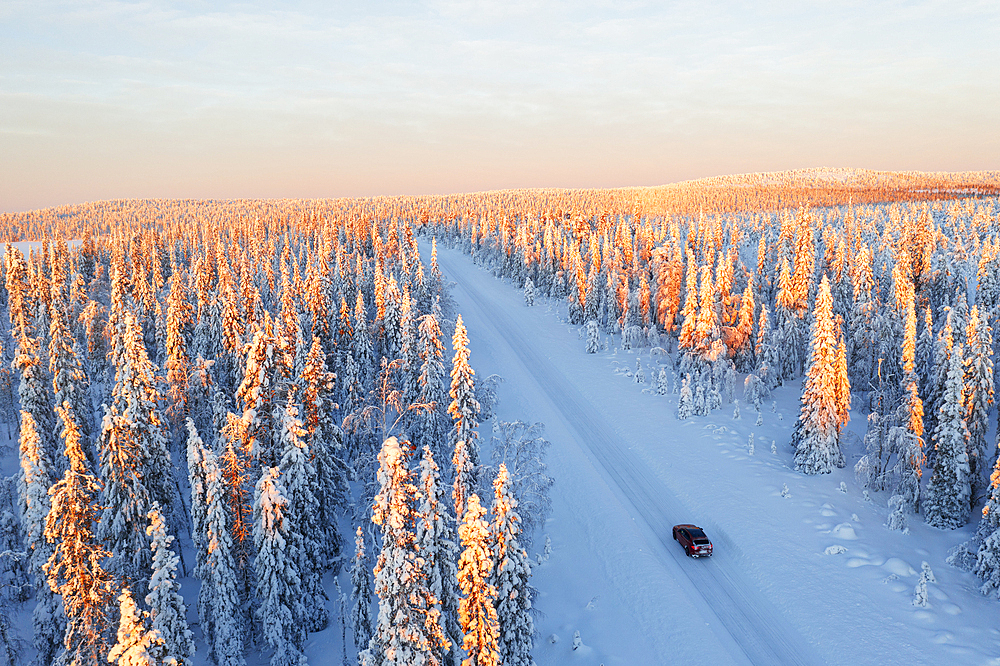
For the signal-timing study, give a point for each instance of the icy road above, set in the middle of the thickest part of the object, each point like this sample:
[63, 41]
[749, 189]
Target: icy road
[746, 625]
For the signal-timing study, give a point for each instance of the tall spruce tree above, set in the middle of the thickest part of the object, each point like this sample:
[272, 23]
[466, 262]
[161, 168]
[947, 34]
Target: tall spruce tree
[817, 432]
[464, 409]
[225, 626]
[477, 608]
[75, 569]
[361, 345]
[946, 501]
[257, 395]
[409, 351]
[408, 630]
[943, 348]
[136, 401]
[511, 576]
[69, 383]
[281, 611]
[168, 614]
[47, 621]
[436, 540]
[361, 593]
[432, 424]
[301, 519]
[325, 443]
[199, 463]
[978, 400]
[125, 498]
[177, 363]
[35, 395]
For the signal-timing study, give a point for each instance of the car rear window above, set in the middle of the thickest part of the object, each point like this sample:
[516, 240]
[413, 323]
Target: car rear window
[701, 542]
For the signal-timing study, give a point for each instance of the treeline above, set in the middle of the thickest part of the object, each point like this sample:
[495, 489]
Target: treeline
[741, 193]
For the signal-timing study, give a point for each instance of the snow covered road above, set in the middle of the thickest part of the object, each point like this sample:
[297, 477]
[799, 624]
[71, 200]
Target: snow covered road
[748, 626]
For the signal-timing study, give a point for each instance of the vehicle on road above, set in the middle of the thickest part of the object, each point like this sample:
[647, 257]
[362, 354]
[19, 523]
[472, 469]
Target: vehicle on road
[693, 539]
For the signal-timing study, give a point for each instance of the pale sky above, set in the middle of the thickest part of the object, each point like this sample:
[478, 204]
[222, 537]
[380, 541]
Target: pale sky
[103, 100]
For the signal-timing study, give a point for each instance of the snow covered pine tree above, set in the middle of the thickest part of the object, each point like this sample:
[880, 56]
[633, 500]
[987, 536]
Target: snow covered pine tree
[817, 432]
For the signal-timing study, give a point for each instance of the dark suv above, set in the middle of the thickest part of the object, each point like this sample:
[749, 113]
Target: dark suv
[695, 543]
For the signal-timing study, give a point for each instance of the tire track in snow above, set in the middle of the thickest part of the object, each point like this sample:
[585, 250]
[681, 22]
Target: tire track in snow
[755, 625]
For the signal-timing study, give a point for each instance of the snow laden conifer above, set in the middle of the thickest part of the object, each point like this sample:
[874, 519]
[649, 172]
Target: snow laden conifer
[978, 390]
[685, 404]
[944, 346]
[223, 628]
[361, 593]
[896, 520]
[177, 362]
[75, 568]
[906, 439]
[281, 611]
[529, 292]
[982, 553]
[125, 497]
[464, 409]
[325, 443]
[408, 629]
[393, 332]
[946, 500]
[35, 482]
[662, 383]
[593, 337]
[361, 344]
[409, 351]
[511, 577]
[237, 488]
[69, 383]
[436, 541]
[924, 360]
[168, 614]
[135, 463]
[256, 393]
[817, 432]
[298, 475]
[432, 424]
[766, 352]
[689, 312]
[477, 609]
[755, 391]
[198, 469]
[35, 395]
[700, 404]
[137, 645]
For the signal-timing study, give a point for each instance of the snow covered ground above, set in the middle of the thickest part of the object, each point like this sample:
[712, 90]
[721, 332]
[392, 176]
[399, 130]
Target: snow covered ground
[808, 575]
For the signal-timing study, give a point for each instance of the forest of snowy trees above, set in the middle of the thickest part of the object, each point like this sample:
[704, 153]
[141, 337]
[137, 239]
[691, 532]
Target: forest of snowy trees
[262, 395]
[259, 406]
[887, 308]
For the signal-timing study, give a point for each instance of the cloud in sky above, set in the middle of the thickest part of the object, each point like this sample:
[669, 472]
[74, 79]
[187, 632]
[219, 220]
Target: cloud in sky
[104, 99]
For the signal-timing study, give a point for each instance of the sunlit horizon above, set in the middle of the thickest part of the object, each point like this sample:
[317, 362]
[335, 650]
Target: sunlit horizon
[107, 100]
